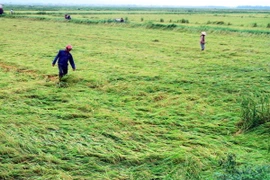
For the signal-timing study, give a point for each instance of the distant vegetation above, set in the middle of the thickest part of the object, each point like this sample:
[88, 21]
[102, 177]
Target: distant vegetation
[253, 7]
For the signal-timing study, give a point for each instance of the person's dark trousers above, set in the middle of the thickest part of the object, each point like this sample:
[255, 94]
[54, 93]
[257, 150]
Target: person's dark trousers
[63, 70]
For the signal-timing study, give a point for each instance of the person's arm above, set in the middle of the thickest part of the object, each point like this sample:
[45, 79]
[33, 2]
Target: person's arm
[55, 59]
[71, 61]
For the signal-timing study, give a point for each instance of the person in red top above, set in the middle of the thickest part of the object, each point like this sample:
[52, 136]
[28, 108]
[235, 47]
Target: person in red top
[63, 57]
[202, 40]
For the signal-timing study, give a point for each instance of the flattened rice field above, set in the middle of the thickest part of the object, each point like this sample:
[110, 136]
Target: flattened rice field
[144, 103]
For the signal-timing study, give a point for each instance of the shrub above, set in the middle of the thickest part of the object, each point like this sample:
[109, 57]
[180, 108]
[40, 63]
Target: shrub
[268, 25]
[141, 19]
[255, 111]
[161, 20]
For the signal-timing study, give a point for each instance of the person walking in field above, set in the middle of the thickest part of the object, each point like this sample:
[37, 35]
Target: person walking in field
[202, 40]
[63, 57]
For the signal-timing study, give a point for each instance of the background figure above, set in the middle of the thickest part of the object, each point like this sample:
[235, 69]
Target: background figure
[67, 16]
[202, 40]
[120, 20]
[63, 57]
[1, 9]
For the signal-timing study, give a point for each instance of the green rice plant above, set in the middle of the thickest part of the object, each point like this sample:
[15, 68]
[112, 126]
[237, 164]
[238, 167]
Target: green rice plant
[255, 111]
[151, 25]
[41, 12]
[232, 172]
[254, 25]
[216, 22]
[229, 163]
[220, 22]
[183, 21]
[268, 25]
[192, 168]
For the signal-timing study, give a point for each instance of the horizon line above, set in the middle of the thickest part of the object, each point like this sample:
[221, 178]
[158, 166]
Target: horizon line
[132, 5]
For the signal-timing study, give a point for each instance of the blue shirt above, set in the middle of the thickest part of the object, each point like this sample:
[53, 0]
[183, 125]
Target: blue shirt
[63, 58]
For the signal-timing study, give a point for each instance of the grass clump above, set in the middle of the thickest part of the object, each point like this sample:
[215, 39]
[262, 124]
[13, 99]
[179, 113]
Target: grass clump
[255, 111]
[254, 25]
[183, 21]
[216, 22]
[232, 172]
[151, 25]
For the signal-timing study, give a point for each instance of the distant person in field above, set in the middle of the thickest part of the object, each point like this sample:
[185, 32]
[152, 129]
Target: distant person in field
[1, 9]
[63, 57]
[120, 20]
[202, 40]
[67, 16]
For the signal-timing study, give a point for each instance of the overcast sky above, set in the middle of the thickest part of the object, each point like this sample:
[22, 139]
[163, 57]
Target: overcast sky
[230, 3]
